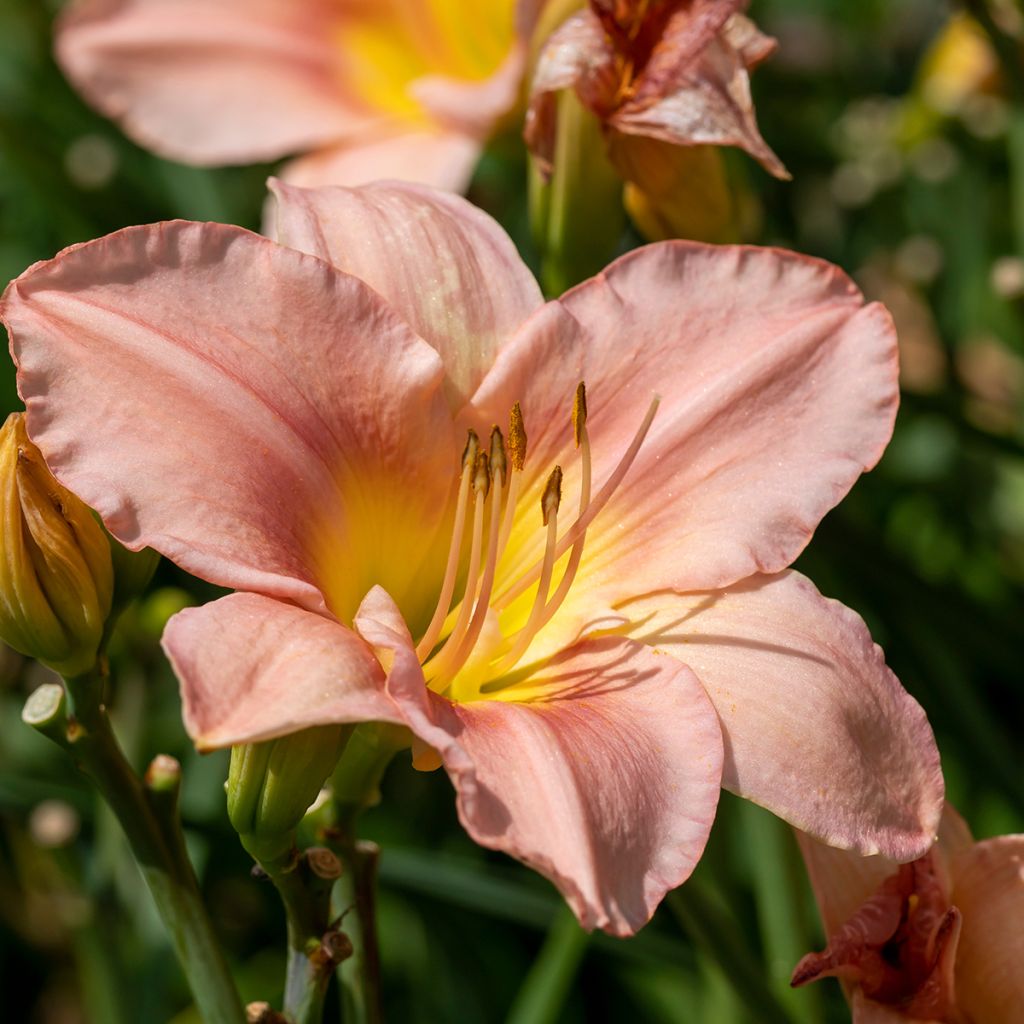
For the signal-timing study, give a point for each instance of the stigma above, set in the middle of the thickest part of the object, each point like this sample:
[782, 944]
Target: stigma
[487, 503]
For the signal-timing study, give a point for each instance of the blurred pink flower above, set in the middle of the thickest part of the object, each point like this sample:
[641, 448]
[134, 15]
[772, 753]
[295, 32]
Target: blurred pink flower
[611, 643]
[937, 940]
[663, 77]
[366, 88]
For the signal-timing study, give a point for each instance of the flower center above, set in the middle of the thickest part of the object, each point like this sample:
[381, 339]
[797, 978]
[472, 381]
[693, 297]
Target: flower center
[490, 484]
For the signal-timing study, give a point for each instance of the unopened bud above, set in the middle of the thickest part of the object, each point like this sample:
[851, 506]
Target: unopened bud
[56, 577]
[272, 784]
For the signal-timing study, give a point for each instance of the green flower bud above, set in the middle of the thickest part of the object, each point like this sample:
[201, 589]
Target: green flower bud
[56, 579]
[272, 784]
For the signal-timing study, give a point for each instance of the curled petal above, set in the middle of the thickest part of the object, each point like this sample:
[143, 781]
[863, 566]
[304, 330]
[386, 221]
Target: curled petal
[601, 770]
[988, 888]
[252, 668]
[817, 728]
[436, 259]
[212, 396]
[778, 388]
[704, 101]
[181, 77]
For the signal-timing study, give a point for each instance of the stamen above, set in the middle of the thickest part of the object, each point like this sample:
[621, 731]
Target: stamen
[498, 471]
[579, 528]
[517, 438]
[481, 485]
[444, 600]
[579, 423]
[517, 453]
[549, 502]
[579, 412]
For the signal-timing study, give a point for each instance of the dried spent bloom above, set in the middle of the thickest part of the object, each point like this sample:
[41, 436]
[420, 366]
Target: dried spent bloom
[666, 79]
[935, 941]
[365, 88]
[56, 579]
[547, 539]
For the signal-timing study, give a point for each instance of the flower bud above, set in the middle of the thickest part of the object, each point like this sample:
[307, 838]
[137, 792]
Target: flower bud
[272, 784]
[56, 579]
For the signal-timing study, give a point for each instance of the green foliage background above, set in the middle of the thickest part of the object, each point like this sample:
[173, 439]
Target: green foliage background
[926, 210]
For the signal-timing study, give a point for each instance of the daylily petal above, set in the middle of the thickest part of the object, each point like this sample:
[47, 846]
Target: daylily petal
[704, 101]
[524, 770]
[988, 888]
[252, 668]
[446, 266]
[212, 82]
[778, 389]
[442, 159]
[468, 105]
[817, 728]
[213, 396]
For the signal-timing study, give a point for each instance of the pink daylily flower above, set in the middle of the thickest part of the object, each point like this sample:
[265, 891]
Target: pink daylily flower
[591, 650]
[366, 89]
[935, 941]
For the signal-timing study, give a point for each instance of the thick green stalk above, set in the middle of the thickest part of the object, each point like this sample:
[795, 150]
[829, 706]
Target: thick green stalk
[90, 740]
[354, 788]
[315, 946]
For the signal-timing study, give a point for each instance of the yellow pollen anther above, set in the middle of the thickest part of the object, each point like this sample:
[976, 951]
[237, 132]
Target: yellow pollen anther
[552, 496]
[579, 412]
[482, 474]
[517, 438]
[499, 464]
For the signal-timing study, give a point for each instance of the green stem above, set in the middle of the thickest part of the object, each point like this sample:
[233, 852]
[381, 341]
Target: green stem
[356, 897]
[165, 866]
[315, 947]
[355, 787]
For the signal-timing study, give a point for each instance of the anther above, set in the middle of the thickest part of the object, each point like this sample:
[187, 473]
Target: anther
[517, 438]
[499, 464]
[579, 412]
[552, 496]
[579, 528]
[472, 447]
[482, 474]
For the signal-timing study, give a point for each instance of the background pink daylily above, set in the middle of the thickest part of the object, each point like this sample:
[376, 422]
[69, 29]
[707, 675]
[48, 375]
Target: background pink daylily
[314, 401]
[366, 88]
[950, 924]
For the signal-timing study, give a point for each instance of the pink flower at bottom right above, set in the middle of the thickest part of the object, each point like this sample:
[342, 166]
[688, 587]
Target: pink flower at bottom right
[935, 941]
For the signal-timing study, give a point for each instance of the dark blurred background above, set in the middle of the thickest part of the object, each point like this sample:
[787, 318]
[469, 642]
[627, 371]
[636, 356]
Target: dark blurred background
[904, 131]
